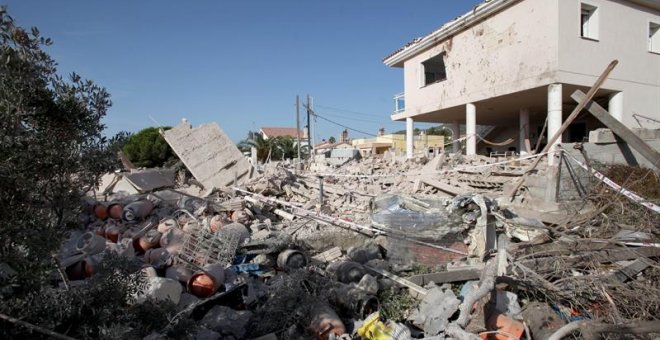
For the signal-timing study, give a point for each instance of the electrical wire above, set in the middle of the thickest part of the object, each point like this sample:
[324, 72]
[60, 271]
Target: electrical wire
[348, 111]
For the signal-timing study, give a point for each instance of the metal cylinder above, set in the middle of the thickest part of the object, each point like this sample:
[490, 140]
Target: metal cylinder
[158, 258]
[115, 210]
[205, 283]
[112, 232]
[325, 322]
[151, 239]
[137, 210]
[91, 265]
[166, 224]
[172, 240]
[179, 273]
[354, 300]
[100, 211]
[347, 271]
[291, 259]
[234, 230]
[90, 243]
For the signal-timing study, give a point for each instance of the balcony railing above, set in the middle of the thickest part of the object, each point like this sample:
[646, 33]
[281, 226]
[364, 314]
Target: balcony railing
[399, 103]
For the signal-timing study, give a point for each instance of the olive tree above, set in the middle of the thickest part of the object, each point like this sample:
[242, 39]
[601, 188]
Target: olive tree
[53, 150]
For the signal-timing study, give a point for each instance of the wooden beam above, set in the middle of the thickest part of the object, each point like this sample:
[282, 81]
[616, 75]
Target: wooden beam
[549, 264]
[630, 271]
[445, 277]
[441, 186]
[619, 129]
[581, 104]
[415, 290]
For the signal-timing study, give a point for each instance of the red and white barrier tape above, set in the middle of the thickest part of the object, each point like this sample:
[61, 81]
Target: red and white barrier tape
[625, 192]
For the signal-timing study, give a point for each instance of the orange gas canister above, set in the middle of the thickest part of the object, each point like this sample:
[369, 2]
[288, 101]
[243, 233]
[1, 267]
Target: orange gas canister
[507, 328]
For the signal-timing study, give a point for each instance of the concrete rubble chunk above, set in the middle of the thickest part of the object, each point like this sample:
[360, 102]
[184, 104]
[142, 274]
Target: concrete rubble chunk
[207, 334]
[151, 179]
[433, 313]
[227, 321]
[209, 154]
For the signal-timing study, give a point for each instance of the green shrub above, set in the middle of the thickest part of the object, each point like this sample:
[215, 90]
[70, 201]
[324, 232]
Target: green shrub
[148, 148]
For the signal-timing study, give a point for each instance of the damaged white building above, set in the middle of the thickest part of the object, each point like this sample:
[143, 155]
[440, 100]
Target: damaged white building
[508, 65]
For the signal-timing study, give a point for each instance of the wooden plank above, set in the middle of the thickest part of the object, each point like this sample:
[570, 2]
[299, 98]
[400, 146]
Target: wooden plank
[445, 277]
[415, 290]
[328, 255]
[592, 92]
[549, 264]
[619, 129]
[628, 272]
[441, 186]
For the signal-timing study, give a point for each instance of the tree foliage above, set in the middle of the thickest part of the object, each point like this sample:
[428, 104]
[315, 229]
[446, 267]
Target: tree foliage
[148, 148]
[439, 130]
[52, 147]
[53, 150]
[277, 148]
[332, 140]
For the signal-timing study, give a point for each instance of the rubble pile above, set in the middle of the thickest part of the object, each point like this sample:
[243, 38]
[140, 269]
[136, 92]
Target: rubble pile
[376, 249]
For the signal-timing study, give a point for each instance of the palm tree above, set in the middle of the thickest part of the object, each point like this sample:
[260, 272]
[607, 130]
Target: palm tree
[263, 146]
[284, 148]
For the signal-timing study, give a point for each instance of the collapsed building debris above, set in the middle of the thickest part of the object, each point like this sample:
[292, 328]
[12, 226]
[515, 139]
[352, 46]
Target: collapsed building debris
[377, 248]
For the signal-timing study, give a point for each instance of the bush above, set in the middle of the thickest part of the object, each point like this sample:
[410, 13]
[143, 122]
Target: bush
[148, 148]
[53, 150]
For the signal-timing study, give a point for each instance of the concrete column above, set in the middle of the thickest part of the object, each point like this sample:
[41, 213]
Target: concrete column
[470, 129]
[455, 134]
[409, 137]
[524, 145]
[554, 118]
[615, 105]
[253, 156]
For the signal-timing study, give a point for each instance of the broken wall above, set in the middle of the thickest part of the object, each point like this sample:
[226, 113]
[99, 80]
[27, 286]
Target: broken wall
[209, 154]
[512, 51]
[623, 35]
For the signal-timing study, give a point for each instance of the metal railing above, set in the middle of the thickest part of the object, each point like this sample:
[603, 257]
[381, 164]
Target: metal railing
[399, 103]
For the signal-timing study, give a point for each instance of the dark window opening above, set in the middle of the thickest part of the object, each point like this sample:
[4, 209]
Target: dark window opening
[434, 69]
[577, 133]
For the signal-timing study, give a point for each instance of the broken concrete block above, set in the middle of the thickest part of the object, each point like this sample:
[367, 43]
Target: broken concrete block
[434, 311]
[151, 179]
[207, 334]
[369, 284]
[328, 255]
[185, 301]
[227, 321]
[163, 289]
[209, 154]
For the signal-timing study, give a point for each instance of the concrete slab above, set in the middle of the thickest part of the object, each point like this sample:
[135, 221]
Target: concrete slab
[209, 154]
[151, 179]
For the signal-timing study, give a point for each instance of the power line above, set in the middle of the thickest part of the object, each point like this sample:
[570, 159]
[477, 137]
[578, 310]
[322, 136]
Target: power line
[348, 111]
[344, 126]
[358, 119]
[316, 115]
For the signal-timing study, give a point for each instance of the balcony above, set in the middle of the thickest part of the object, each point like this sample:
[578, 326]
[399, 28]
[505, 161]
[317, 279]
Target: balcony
[399, 103]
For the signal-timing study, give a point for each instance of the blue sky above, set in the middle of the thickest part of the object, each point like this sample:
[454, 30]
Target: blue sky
[238, 63]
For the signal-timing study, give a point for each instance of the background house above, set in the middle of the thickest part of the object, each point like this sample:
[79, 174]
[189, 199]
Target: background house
[272, 132]
[512, 64]
[422, 142]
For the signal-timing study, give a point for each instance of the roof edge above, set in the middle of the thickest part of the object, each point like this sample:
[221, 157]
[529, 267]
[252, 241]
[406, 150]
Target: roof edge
[480, 12]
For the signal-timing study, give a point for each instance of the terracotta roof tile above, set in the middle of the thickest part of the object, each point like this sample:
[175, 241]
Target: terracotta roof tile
[272, 132]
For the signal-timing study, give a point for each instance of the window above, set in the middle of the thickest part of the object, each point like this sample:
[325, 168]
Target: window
[589, 21]
[434, 70]
[654, 37]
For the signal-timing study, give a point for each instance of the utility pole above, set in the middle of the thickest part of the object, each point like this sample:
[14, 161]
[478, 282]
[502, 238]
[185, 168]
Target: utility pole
[309, 128]
[298, 128]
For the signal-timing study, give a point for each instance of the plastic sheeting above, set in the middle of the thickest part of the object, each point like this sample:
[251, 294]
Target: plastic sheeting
[430, 219]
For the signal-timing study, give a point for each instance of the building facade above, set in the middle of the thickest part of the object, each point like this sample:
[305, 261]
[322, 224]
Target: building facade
[513, 64]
